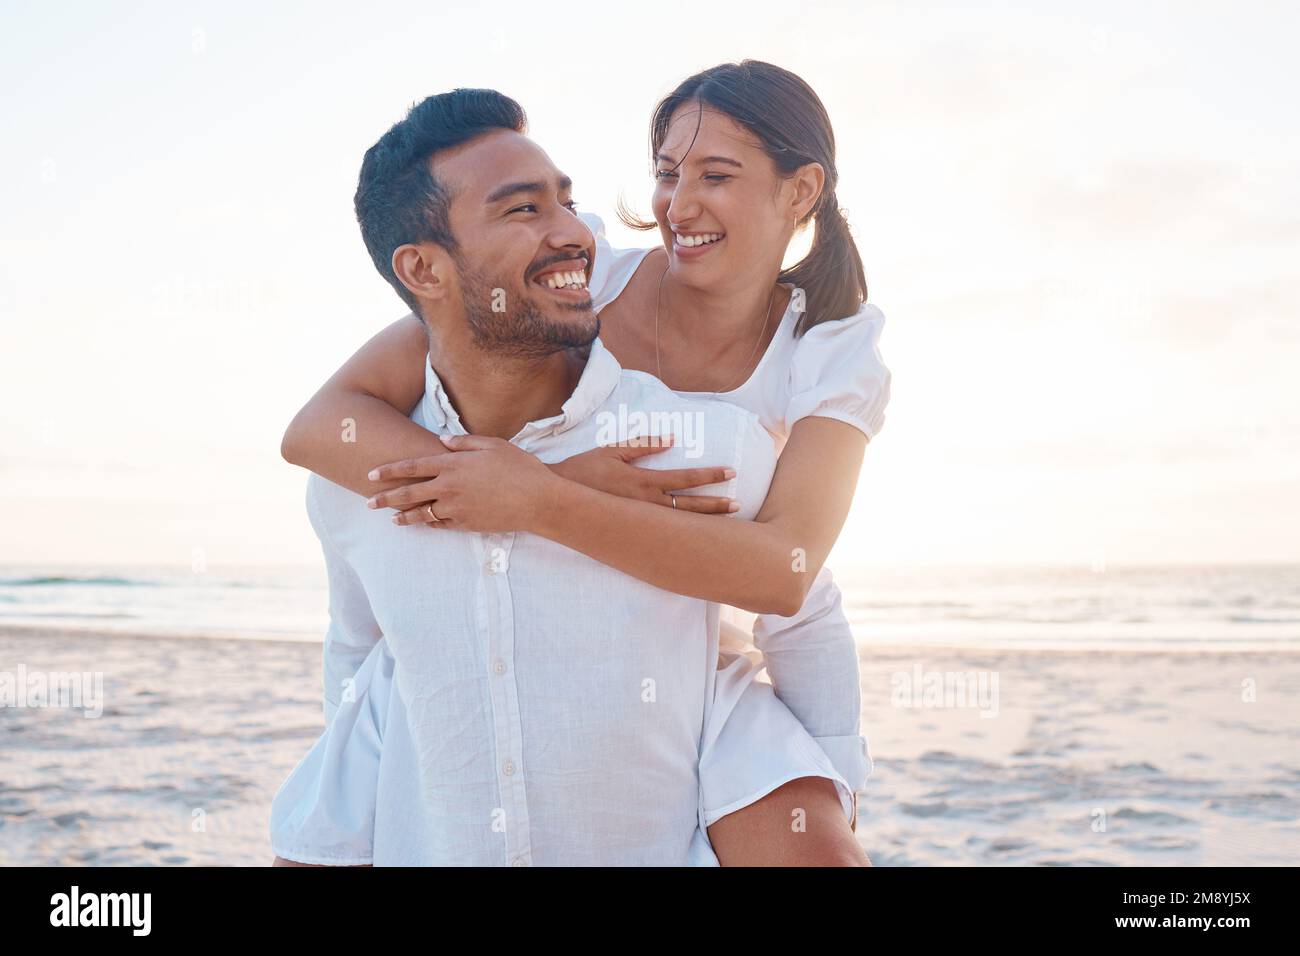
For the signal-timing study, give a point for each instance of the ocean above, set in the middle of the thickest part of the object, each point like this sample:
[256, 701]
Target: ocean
[1191, 607]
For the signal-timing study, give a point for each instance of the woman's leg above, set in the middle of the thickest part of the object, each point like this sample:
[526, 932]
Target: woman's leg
[800, 823]
[281, 861]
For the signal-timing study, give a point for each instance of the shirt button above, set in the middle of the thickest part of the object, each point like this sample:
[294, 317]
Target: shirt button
[508, 768]
[499, 667]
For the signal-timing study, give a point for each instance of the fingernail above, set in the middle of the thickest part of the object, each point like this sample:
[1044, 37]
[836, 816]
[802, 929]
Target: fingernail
[374, 474]
[733, 507]
[728, 473]
[371, 503]
[397, 519]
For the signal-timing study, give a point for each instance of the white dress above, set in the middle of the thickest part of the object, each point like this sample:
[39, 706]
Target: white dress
[324, 812]
[834, 370]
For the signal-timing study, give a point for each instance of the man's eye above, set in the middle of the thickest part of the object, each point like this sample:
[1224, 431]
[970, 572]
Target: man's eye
[716, 177]
[528, 206]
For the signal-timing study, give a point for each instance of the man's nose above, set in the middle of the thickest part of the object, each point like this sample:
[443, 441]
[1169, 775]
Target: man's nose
[570, 232]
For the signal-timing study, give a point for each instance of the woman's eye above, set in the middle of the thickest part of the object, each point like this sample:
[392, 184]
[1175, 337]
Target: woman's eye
[665, 174]
[572, 206]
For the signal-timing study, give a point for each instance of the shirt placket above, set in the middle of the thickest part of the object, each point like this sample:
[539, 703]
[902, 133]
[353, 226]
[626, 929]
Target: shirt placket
[494, 562]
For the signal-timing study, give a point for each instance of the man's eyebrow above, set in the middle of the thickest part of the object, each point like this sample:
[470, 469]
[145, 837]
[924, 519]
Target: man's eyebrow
[705, 159]
[514, 189]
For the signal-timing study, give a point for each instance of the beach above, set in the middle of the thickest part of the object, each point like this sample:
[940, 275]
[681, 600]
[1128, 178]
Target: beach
[1009, 289]
[983, 756]
[1093, 758]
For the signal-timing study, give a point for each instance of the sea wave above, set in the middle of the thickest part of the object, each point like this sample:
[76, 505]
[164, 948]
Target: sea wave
[57, 580]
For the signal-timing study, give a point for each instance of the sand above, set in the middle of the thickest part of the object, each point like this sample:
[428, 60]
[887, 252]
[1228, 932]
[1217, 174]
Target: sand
[1090, 758]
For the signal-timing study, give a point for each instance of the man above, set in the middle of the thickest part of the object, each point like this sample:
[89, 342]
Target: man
[509, 701]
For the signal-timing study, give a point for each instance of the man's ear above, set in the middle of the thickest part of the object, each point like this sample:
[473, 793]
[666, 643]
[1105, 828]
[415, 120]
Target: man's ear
[424, 268]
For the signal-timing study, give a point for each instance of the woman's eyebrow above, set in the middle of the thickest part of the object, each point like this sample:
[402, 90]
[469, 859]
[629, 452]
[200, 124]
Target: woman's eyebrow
[665, 157]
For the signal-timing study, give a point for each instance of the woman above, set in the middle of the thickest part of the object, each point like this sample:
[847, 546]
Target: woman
[744, 156]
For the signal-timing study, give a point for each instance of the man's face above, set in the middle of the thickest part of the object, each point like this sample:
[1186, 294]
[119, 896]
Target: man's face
[524, 256]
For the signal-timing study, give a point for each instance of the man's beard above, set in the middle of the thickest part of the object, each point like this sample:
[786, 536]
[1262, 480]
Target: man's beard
[521, 330]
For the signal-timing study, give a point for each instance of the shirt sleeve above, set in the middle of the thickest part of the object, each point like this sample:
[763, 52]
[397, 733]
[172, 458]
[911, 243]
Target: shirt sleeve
[812, 658]
[353, 630]
[837, 372]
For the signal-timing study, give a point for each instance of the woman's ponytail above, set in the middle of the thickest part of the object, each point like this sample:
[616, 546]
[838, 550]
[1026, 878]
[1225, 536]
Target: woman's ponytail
[831, 276]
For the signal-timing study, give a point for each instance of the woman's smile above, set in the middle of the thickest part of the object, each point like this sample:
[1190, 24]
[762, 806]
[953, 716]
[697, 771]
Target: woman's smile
[692, 245]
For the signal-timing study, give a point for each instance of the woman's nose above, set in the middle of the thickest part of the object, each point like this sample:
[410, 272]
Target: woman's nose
[682, 207]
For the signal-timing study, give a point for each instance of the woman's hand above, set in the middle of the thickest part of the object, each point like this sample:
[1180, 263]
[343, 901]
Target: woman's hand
[484, 484]
[609, 469]
[491, 485]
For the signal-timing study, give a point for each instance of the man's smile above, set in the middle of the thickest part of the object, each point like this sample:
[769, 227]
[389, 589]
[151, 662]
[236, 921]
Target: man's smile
[566, 279]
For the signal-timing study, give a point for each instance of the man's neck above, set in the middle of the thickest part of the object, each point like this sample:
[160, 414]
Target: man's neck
[498, 395]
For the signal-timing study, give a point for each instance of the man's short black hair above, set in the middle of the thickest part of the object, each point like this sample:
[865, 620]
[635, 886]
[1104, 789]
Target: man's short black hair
[398, 199]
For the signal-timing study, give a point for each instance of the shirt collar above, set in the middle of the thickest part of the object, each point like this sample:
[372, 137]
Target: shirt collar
[599, 378]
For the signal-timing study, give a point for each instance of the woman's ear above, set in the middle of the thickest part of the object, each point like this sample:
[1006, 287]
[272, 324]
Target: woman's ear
[806, 184]
[424, 268]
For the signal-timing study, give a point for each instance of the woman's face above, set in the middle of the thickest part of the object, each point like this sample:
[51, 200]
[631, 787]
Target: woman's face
[723, 212]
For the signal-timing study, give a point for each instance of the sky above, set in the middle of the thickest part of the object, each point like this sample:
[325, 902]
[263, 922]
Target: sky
[1083, 227]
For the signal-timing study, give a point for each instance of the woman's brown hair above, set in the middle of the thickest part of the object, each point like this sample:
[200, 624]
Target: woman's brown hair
[794, 129]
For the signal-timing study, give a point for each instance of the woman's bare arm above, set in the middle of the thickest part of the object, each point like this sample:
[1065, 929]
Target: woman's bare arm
[765, 566]
[359, 418]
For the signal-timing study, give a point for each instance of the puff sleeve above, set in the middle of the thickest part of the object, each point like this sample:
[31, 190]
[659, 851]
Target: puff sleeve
[837, 372]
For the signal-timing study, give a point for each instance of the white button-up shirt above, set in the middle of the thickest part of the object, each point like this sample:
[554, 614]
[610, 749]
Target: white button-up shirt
[545, 709]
